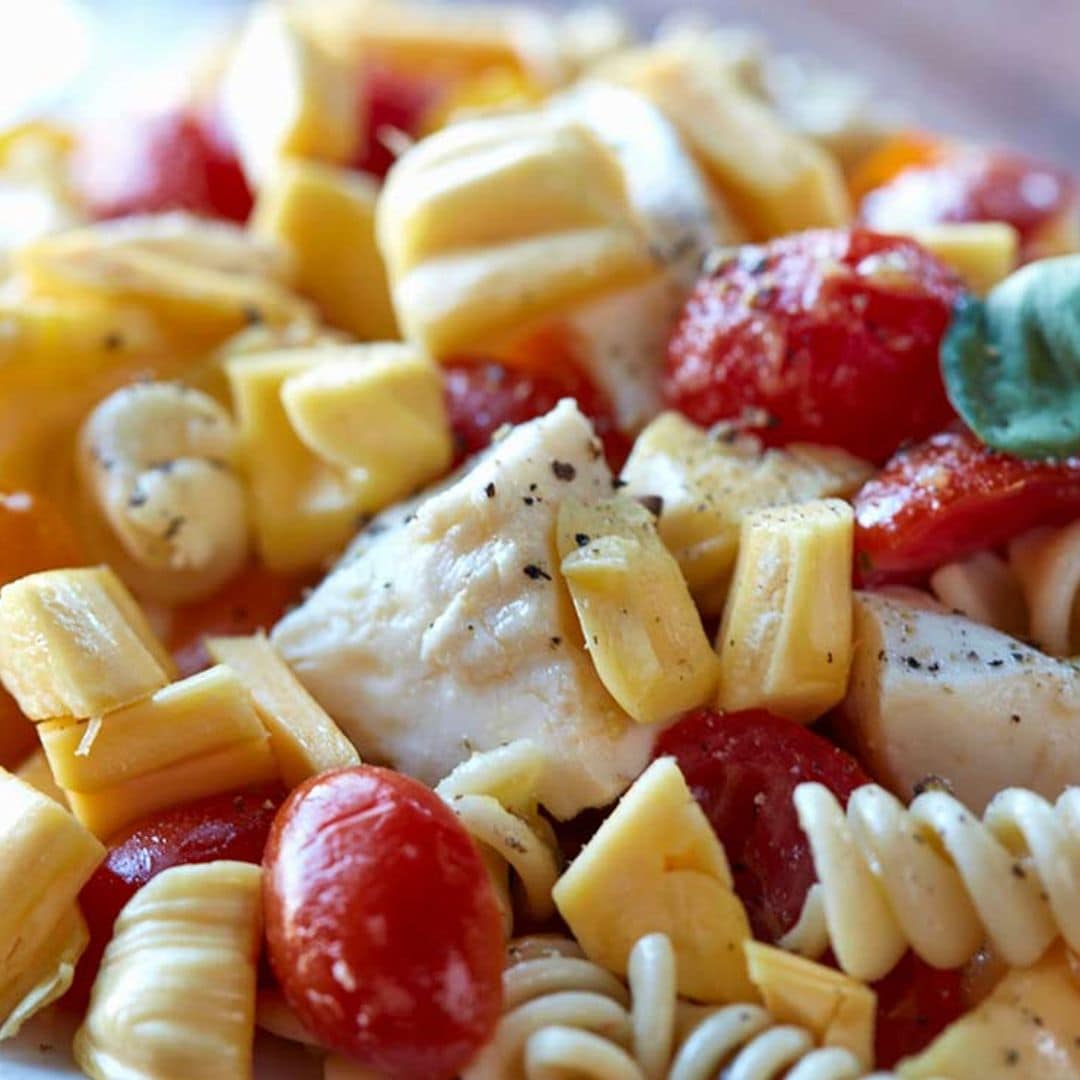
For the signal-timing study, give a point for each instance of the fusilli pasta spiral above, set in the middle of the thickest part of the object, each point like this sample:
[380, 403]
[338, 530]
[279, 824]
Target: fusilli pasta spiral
[934, 877]
[567, 1017]
[492, 794]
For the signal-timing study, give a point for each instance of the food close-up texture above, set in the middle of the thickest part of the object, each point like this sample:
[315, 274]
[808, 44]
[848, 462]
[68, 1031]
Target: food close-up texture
[535, 550]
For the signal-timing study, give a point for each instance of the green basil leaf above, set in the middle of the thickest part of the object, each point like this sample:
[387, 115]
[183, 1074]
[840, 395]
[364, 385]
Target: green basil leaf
[1011, 363]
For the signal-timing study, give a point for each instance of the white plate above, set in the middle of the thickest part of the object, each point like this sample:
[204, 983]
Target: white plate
[43, 1052]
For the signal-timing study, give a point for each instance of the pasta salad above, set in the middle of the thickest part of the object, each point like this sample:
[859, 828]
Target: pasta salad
[533, 554]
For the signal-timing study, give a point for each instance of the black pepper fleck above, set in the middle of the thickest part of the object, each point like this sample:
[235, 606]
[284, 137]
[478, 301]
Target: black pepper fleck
[563, 470]
[536, 573]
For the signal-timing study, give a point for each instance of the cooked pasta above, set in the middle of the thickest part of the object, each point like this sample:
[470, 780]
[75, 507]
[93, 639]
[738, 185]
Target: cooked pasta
[494, 796]
[934, 877]
[567, 1017]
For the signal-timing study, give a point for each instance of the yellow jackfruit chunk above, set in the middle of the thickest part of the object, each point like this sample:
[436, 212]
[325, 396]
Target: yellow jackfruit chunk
[304, 508]
[324, 217]
[47, 858]
[655, 865]
[981, 252]
[1025, 1028]
[836, 1008]
[198, 737]
[785, 640]
[304, 739]
[709, 482]
[203, 280]
[37, 772]
[74, 643]
[489, 224]
[776, 180]
[639, 622]
[175, 997]
[377, 409]
[284, 95]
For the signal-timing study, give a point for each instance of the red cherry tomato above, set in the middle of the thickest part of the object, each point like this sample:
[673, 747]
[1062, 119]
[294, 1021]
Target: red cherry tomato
[827, 337]
[383, 927]
[951, 496]
[390, 100]
[915, 1003]
[743, 768]
[482, 395]
[174, 160]
[220, 827]
[254, 600]
[975, 185]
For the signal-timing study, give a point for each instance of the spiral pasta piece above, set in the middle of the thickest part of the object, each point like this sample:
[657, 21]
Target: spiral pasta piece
[935, 878]
[493, 796]
[1047, 565]
[567, 1018]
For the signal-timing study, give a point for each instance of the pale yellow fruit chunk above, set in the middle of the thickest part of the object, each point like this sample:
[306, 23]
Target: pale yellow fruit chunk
[283, 94]
[776, 180]
[47, 858]
[836, 1008]
[655, 865]
[981, 252]
[304, 739]
[74, 643]
[324, 216]
[709, 481]
[197, 737]
[377, 409]
[785, 640]
[489, 224]
[175, 997]
[304, 508]
[637, 617]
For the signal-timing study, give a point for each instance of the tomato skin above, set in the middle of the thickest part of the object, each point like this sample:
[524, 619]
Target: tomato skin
[220, 827]
[915, 1004]
[369, 872]
[170, 160]
[390, 99]
[975, 185]
[743, 768]
[833, 335]
[253, 600]
[951, 496]
[482, 395]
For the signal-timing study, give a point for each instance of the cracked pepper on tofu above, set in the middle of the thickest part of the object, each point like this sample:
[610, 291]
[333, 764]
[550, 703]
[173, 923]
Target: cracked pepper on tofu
[453, 630]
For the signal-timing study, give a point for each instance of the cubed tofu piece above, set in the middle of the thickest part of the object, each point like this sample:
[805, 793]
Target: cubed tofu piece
[490, 224]
[175, 996]
[1025, 1028]
[74, 643]
[837, 1009]
[379, 410]
[708, 482]
[305, 741]
[656, 866]
[304, 508]
[981, 252]
[785, 640]
[935, 695]
[449, 629]
[637, 617]
[283, 94]
[47, 858]
[776, 180]
[197, 737]
[324, 216]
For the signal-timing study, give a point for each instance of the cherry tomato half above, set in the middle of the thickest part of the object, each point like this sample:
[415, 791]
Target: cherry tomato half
[951, 496]
[383, 926]
[828, 337]
[172, 160]
[482, 395]
[390, 100]
[220, 827]
[976, 185]
[743, 768]
[253, 600]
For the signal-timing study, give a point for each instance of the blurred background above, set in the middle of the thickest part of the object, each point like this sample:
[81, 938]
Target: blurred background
[1003, 70]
